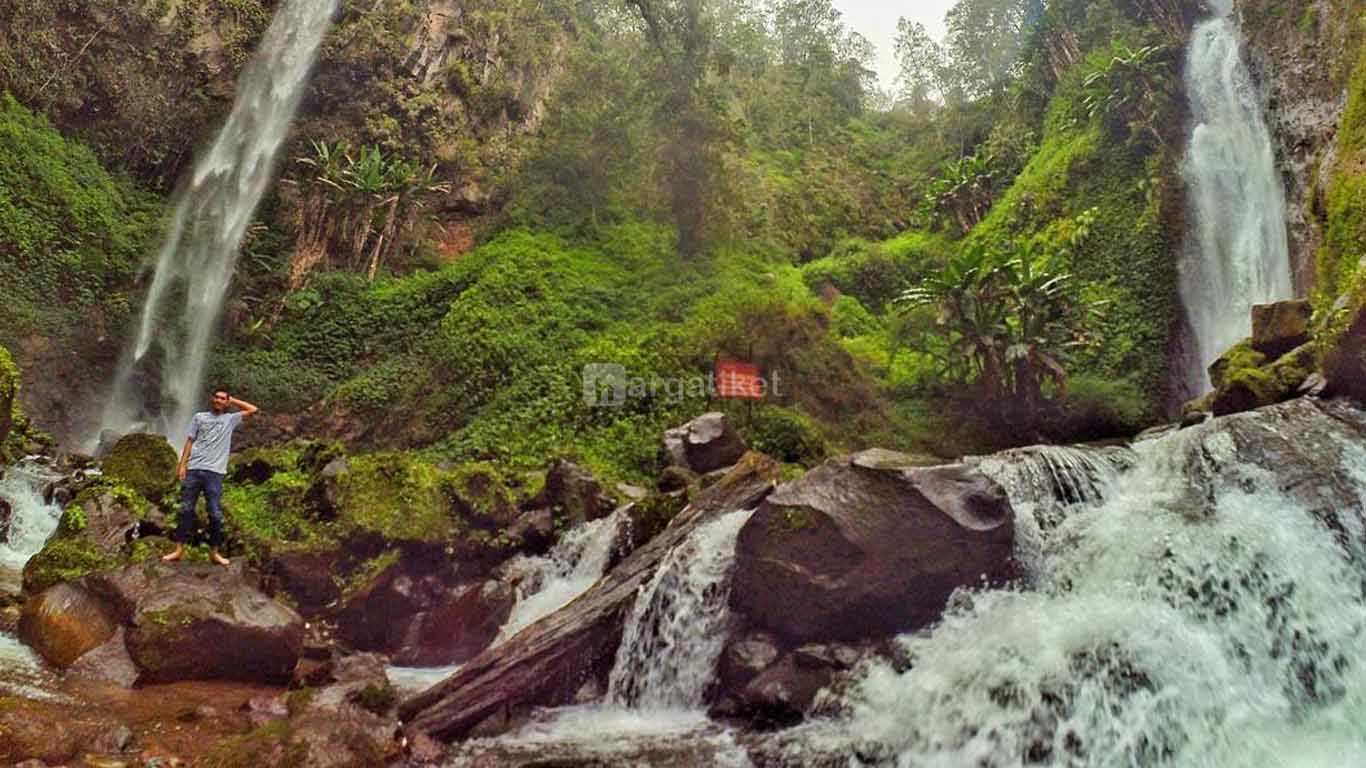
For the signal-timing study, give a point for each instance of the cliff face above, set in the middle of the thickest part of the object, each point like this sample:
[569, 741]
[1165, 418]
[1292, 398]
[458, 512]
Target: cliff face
[1301, 52]
[455, 81]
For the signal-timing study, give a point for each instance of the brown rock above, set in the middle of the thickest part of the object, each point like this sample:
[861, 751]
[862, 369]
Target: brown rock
[707, 442]
[1280, 327]
[307, 578]
[196, 622]
[1344, 361]
[573, 492]
[745, 658]
[868, 545]
[548, 663]
[108, 662]
[65, 621]
[458, 630]
[784, 693]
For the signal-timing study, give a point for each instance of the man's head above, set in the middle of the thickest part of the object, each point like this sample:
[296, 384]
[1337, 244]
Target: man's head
[218, 401]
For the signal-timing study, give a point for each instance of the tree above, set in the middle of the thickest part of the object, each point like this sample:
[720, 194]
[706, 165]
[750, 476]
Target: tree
[1006, 317]
[1131, 91]
[984, 41]
[690, 114]
[924, 78]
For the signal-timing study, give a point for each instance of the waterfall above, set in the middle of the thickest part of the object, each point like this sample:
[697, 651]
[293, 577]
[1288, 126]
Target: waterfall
[1203, 610]
[1236, 254]
[213, 209]
[678, 625]
[551, 581]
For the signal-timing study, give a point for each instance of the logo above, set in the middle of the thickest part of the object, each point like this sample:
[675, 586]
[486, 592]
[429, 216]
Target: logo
[604, 385]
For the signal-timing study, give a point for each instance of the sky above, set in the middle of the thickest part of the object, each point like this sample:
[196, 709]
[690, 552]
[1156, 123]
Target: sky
[876, 20]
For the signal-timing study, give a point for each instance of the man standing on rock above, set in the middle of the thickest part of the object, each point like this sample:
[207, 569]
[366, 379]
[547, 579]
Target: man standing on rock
[203, 463]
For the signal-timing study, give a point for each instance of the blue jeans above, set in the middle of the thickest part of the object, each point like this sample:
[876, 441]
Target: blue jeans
[210, 484]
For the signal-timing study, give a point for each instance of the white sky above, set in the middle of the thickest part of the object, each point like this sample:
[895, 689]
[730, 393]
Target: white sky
[876, 20]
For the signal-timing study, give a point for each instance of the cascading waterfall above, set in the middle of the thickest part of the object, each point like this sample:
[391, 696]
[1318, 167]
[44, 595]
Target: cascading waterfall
[1237, 253]
[213, 210]
[31, 522]
[1194, 614]
[549, 582]
[677, 628]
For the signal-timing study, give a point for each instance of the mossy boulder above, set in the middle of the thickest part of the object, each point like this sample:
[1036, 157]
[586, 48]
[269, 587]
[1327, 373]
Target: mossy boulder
[397, 497]
[1343, 353]
[64, 559]
[1280, 327]
[1245, 378]
[145, 462]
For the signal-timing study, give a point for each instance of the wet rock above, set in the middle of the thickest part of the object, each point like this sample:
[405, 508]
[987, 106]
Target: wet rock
[631, 492]
[1344, 359]
[109, 662]
[458, 630]
[6, 517]
[784, 693]
[706, 443]
[197, 622]
[535, 529]
[746, 657]
[109, 523]
[65, 621]
[113, 741]
[145, 462]
[378, 616]
[1280, 327]
[868, 545]
[548, 663]
[307, 578]
[574, 493]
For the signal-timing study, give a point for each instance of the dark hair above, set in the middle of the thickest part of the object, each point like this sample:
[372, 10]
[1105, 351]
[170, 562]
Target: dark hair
[216, 390]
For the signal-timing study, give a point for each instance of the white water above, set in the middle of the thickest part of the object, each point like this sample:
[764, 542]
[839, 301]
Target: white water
[213, 210]
[32, 521]
[1191, 616]
[22, 673]
[653, 712]
[546, 583]
[1237, 253]
[551, 581]
[678, 626]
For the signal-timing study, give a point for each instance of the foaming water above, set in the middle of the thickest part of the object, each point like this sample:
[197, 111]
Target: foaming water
[1187, 619]
[418, 679]
[551, 581]
[213, 209]
[677, 627]
[652, 714]
[1237, 253]
[32, 521]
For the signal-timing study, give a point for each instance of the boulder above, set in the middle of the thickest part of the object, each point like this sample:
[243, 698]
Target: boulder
[306, 576]
[108, 662]
[745, 658]
[573, 492]
[535, 529]
[676, 478]
[706, 443]
[1344, 359]
[1245, 379]
[1280, 327]
[869, 545]
[195, 622]
[6, 520]
[378, 615]
[783, 693]
[65, 621]
[145, 462]
[109, 523]
[548, 663]
[458, 630]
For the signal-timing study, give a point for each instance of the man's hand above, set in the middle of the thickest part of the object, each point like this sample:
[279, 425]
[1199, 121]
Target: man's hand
[180, 472]
[246, 409]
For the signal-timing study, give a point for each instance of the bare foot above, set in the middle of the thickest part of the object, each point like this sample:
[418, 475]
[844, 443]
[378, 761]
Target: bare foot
[174, 555]
[217, 558]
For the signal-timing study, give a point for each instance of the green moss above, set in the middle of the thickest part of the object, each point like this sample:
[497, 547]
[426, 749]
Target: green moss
[378, 699]
[63, 559]
[1341, 257]
[1239, 357]
[787, 435]
[397, 496]
[479, 490]
[791, 520]
[73, 520]
[366, 572]
[143, 461]
[654, 513]
[271, 516]
[270, 744]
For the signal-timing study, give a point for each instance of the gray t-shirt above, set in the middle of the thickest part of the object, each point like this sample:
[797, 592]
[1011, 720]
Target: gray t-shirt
[212, 436]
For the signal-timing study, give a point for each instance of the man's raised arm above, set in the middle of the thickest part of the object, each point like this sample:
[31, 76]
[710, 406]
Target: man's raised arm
[243, 407]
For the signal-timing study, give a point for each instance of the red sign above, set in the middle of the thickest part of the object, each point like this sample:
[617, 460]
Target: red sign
[738, 381]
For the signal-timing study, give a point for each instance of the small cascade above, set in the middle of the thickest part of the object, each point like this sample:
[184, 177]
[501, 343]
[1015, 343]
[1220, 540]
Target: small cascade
[676, 630]
[1237, 252]
[1199, 610]
[549, 582]
[1045, 482]
[214, 207]
[32, 520]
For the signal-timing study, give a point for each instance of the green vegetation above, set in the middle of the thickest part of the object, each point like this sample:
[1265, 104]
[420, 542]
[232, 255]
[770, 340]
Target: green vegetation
[63, 559]
[1340, 260]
